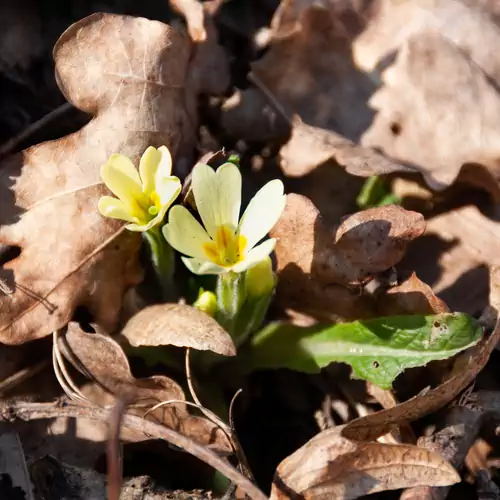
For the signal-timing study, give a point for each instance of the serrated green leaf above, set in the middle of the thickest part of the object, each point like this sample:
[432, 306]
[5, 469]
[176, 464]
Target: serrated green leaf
[378, 350]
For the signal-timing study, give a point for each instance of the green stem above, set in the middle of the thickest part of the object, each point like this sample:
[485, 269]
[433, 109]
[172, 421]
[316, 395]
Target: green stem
[231, 295]
[163, 260]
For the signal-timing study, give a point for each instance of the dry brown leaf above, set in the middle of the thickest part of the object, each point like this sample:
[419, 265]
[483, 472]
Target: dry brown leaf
[331, 466]
[311, 146]
[130, 73]
[318, 262]
[466, 368]
[413, 296]
[311, 47]
[432, 71]
[454, 255]
[180, 325]
[102, 359]
[192, 10]
[468, 24]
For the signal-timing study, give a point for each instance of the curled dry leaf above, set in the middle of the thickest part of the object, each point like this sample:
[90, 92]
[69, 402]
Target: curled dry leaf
[431, 71]
[324, 260]
[130, 73]
[180, 325]
[310, 146]
[467, 366]
[331, 466]
[102, 359]
[413, 296]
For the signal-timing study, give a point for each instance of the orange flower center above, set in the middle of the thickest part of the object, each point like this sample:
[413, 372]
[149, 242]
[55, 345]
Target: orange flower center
[227, 249]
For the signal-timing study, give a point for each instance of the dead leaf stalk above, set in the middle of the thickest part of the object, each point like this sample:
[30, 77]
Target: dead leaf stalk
[62, 375]
[229, 430]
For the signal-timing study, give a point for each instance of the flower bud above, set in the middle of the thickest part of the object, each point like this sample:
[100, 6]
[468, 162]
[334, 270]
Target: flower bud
[206, 302]
[260, 279]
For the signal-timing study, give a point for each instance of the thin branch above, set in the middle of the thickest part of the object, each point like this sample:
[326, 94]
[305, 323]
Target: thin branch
[12, 144]
[271, 97]
[35, 411]
[21, 376]
[453, 441]
[113, 455]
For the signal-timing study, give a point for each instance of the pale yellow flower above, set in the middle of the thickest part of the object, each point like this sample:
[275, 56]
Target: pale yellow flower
[144, 196]
[226, 243]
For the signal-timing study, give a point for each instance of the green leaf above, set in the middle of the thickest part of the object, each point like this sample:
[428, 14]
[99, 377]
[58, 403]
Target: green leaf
[378, 350]
[376, 193]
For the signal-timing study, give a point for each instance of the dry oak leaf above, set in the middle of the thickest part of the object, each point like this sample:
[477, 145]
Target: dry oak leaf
[180, 325]
[331, 466]
[325, 260]
[129, 73]
[413, 296]
[309, 147]
[101, 358]
[420, 120]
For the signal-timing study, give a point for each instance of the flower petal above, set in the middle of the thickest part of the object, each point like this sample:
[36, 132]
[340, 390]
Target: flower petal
[168, 188]
[217, 196]
[202, 267]
[256, 255]
[148, 167]
[262, 213]
[115, 209]
[122, 178]
[165, 166]
[184, 233]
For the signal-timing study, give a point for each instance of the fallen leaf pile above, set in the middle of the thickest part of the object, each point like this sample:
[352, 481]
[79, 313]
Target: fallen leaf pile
[333, 97]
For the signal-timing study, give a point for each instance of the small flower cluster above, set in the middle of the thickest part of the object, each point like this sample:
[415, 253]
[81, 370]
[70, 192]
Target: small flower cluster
[223, 242]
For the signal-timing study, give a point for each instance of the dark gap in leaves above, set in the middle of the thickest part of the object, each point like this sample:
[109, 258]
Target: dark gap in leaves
[8, 253]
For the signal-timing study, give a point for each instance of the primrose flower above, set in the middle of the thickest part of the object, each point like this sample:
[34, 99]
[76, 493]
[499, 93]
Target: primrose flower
[144, 196]
[225, 243]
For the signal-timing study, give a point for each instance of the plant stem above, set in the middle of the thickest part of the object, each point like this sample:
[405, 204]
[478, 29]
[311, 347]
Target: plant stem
[231, 295]
[162, 257]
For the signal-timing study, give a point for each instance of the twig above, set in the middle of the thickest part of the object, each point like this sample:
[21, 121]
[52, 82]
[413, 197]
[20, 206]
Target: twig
[21, 376]
[113, 455]
[452, 442]
[271, 97]
[229, 430]
[35, 411]
[13, 143]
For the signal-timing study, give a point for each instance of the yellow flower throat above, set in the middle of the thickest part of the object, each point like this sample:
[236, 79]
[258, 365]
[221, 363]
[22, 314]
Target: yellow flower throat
[227, 249]
[146, 207]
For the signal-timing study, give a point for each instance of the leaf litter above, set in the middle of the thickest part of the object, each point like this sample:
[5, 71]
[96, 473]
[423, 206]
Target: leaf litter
[406, 91]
